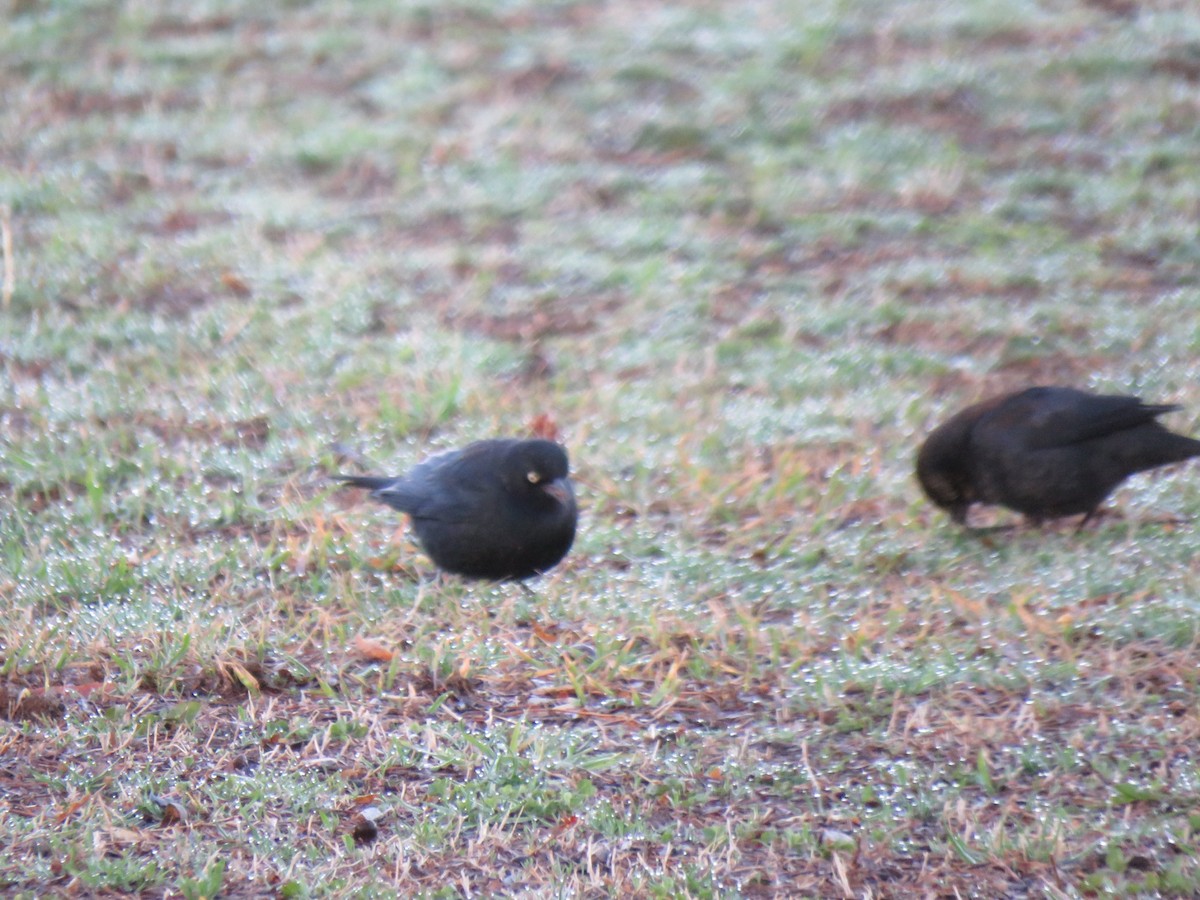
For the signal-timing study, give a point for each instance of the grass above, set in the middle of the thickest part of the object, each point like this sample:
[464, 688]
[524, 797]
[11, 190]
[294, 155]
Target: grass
[741, 256]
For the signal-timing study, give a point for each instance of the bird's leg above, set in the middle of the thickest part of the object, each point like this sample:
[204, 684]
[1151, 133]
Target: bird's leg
[1096, 514]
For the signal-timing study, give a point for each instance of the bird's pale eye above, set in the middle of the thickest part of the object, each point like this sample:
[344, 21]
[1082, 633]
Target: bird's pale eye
[534, 477]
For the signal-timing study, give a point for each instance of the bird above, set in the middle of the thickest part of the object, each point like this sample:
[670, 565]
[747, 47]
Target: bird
[501, 509]
[1045, 452]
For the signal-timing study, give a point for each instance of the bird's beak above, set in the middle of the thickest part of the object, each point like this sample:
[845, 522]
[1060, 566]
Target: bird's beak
[959, 513]
[560, 490]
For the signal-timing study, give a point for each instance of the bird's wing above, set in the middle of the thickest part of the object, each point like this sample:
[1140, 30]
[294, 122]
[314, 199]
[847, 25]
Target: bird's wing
[405, 495]
[451, 486]
[1059, 417]
[399, 493]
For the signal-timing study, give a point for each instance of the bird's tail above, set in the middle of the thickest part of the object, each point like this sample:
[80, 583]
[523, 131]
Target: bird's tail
[1158, 409]
[1155, 447]
[370, 482]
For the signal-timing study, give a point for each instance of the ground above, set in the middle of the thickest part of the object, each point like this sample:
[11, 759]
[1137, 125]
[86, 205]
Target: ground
[738, 258]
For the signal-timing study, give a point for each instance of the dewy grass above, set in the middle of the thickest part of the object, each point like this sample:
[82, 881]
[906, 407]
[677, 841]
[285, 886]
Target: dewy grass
[741, 257]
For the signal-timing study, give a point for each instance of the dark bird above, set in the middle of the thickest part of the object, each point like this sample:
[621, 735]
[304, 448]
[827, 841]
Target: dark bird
[498, 509]
[1045, 452]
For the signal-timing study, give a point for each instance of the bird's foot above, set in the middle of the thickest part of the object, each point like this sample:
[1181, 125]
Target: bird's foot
[1166, 520]
[985, 533]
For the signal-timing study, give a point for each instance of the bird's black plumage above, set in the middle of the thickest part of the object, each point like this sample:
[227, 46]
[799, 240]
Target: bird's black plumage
[1045, 451]
[497, 509]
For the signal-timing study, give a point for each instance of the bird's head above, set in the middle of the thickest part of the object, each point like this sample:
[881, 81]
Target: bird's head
[539, 470]
[947, 490]
[942, 466]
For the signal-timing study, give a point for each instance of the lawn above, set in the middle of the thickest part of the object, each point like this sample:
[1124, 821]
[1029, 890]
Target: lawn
[740, 258]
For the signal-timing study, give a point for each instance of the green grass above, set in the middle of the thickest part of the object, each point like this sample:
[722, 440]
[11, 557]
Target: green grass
[742, 256]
